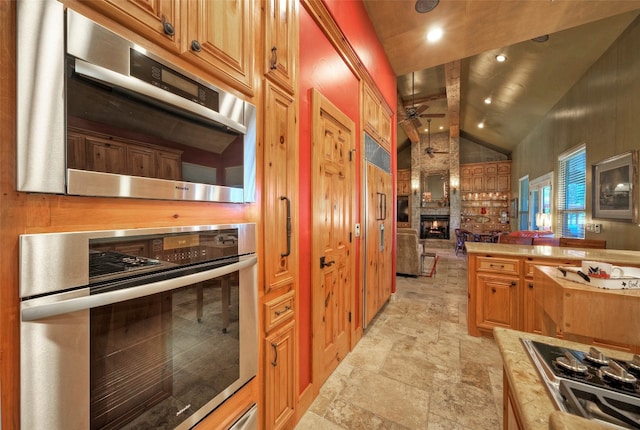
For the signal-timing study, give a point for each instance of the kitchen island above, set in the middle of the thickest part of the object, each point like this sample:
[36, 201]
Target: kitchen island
[501, 286]
[527, 403]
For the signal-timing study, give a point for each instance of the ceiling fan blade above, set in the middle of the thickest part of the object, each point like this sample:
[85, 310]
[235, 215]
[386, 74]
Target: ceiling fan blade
[416, 122]
[430, 154]
[421, 108]
[432, 115]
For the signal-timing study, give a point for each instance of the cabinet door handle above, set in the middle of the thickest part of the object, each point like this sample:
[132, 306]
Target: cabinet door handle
[513, 283]
[493, 290]
[168, 29]
[274, 363]
[288, 202]
[274, 58]
[531, 285]
[499, 266]
[195, 46]
[286, 309]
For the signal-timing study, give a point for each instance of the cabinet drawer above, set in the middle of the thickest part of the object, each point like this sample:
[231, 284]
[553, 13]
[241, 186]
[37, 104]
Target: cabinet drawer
[529, 265]
[498, 265]
[278, 311]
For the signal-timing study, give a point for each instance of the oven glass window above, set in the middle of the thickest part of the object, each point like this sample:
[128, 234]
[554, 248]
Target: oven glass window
[158, 359]
[112, 131]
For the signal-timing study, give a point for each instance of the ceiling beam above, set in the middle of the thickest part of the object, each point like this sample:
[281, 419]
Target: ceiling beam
[407, 126]
[425, 99]
[452, 84]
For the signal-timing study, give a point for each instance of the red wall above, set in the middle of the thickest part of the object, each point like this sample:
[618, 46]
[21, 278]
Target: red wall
[322, 68]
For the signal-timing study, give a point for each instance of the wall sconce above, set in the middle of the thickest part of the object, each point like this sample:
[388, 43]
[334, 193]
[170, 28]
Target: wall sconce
[414, 186]
[454, 185]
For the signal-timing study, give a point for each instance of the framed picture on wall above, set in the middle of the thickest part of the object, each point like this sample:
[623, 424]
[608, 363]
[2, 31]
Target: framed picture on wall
[615, 190]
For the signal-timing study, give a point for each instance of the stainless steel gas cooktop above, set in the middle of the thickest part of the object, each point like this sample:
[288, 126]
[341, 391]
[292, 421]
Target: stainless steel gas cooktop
[590, 384]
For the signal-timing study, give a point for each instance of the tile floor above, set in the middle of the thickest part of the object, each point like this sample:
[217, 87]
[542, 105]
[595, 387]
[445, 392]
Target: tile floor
[415, 367]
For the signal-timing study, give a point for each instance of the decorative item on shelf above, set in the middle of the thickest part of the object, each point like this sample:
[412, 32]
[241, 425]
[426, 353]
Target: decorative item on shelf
[483, 210]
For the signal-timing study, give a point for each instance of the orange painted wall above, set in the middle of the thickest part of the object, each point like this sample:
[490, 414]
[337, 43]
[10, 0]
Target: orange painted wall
[322, 67]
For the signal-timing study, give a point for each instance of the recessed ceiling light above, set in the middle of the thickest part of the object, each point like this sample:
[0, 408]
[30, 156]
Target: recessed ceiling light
[501, 58]
[481, 125]
[434, 34]
[487, 101]
[541, 39]
[441, 128]
[424, 6]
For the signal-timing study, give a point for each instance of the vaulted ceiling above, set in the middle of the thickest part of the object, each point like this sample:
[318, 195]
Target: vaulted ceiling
[522, 89]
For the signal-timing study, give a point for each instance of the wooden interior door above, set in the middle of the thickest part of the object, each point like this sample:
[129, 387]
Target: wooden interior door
[332, 259]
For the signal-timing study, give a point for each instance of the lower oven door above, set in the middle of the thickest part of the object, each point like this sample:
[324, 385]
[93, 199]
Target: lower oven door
[159, 356]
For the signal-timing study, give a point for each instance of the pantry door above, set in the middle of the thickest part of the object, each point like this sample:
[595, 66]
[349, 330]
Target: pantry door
[332, 257]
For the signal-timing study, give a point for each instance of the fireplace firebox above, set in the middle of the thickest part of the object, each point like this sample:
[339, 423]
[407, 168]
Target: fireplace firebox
[434, 226]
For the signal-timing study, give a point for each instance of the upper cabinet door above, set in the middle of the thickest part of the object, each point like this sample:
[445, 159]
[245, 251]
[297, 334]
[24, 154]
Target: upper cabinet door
[220, 35]
[281, 42]
[156, 20]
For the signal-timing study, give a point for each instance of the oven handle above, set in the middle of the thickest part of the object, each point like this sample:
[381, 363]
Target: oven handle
[93, 301]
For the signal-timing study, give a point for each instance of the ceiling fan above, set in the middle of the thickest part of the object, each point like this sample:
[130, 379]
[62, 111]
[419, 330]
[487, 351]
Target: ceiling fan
[431, 151]
[414, 113]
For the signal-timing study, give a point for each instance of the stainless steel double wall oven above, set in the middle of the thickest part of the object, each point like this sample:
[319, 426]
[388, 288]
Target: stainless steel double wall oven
[133, 329]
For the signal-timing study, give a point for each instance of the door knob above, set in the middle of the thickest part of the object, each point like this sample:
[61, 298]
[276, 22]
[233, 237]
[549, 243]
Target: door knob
[324, 264]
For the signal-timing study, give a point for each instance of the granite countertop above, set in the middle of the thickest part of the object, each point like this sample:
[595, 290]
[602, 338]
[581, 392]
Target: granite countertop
[540, 251]
[536, 408]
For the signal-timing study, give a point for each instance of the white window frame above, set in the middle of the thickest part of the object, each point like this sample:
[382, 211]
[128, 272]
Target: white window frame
[537, 185]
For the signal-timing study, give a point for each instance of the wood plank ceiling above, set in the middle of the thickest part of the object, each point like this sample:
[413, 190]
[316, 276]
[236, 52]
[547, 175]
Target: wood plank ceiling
[523, 89]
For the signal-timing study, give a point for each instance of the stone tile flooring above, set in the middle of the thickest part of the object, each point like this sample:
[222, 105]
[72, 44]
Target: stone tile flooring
[415, 367]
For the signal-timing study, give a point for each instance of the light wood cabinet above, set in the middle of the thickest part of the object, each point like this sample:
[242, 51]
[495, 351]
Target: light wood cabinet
[497, 301]
[216, 36]
[404, 182]
[280, 352]
[280, 209]
[219, 34]
[378, 239]
[280, 188]
[281, 42]
[485, 195]
[511, 418]
[156, 20]
[377, 117]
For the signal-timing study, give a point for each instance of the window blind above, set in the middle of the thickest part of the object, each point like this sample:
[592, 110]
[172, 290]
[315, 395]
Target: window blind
[572, 190]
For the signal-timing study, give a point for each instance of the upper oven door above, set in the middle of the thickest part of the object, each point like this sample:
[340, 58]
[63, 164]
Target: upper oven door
[133, 125]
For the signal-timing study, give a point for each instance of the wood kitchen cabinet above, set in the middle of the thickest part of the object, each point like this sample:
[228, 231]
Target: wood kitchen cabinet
[279, 375]
[377, 240]
[485, 196]
[403, 187]
[497, 301]
[377, 117]
[532, 321]
[281, 262]
[281, 42]
[510, 416]
[280, 209]
[219, 34]
[216, 36]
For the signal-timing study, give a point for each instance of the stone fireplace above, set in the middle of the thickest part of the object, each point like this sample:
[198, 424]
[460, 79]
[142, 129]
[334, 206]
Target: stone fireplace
[434, 226]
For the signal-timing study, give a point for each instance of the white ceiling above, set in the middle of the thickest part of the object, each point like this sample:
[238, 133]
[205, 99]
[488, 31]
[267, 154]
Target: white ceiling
[525, 87]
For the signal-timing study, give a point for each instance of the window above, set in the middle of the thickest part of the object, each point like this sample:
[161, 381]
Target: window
[540, 202]
[572, 187]
[523, 221]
